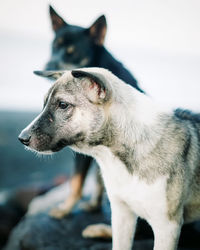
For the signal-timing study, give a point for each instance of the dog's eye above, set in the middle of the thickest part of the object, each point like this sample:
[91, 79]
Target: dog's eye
[58, 42]
[70, 49]
[63, 105]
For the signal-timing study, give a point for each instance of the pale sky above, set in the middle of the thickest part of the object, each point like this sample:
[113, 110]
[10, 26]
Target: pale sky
[158, 40]
[163, 24]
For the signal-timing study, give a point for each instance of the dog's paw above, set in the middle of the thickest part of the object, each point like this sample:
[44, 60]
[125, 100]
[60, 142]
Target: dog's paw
[59, 212]
[97, 231]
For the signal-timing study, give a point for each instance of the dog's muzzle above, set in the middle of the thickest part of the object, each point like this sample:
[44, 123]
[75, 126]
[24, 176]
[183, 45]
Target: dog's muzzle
[24, 138]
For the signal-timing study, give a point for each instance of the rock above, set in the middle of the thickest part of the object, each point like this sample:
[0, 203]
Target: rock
[43, 232]
[14, 205]
[9, 217]
[38, 231]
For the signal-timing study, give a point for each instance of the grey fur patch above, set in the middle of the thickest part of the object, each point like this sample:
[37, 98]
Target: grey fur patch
[185, 172]
[126, 156]
[106, 136]
[177, 156]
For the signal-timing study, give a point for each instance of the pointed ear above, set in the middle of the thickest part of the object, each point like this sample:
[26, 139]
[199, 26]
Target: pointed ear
[98, 30]
[49, 74]
[97, 87]
[56, 20]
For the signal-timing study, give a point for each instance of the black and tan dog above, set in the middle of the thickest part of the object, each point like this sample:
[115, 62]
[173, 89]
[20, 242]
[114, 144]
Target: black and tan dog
[75, 47]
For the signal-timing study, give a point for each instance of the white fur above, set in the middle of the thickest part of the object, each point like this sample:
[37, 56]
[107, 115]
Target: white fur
[131, 197]
[134, 114]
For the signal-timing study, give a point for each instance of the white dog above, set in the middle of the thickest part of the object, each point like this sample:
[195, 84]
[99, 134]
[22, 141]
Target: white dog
[149, 158]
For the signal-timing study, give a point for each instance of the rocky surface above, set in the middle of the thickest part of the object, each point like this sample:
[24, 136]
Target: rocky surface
[38, 231]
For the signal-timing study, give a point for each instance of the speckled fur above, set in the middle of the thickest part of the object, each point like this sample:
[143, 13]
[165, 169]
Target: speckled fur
[149, 157]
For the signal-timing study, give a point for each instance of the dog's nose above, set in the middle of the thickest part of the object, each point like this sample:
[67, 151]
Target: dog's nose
[24, 138]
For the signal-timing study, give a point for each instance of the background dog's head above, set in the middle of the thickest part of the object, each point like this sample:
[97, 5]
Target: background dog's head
[74, 113]
[75, 46]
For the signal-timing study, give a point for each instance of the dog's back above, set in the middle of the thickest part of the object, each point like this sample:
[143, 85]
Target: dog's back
[187, 115]
[191, 154]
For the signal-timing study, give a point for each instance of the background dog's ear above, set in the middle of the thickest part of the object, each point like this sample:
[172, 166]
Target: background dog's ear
[49, 74]
[98, 30]
[56, 20]
[97, 87]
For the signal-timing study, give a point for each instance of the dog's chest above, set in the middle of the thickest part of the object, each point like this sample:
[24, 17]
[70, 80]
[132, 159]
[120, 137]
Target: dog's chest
[145, 199]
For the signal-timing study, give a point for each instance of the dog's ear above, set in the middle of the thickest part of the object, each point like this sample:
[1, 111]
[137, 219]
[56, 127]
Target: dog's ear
[98, 30]
[97, 87]
[49, 74]
[56, 21]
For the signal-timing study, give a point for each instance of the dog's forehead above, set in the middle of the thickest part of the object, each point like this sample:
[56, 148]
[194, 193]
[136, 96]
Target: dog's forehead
[65, 84]
[70, 32]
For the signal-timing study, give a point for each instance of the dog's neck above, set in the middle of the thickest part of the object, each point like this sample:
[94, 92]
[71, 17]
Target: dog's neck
[132, 127]
[137, 120]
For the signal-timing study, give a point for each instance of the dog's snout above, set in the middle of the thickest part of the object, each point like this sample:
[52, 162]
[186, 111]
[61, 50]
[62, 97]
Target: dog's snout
[24, 138]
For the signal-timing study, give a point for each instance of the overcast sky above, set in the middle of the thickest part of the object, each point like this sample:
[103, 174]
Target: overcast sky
[158, 40]
[164, 24]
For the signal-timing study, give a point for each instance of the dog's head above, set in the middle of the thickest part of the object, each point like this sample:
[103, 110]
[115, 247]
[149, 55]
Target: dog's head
[74, 46]
[74, 113]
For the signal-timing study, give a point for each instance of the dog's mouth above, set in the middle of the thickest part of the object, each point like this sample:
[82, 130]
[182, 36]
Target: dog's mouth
[40, 144]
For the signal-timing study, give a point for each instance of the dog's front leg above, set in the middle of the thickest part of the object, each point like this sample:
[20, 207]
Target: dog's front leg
[166, 234]
[123, 225]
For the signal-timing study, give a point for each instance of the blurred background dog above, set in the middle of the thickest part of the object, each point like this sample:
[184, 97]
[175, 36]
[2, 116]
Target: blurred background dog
[75, 47]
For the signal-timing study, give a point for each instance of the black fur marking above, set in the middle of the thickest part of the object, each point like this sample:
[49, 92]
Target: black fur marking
[191, 123]
[105, 136]
[102, 140]
[187, 147]
[68, 142]
[194, 120]
[102, 58]
[184, 114]
[60, 145]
